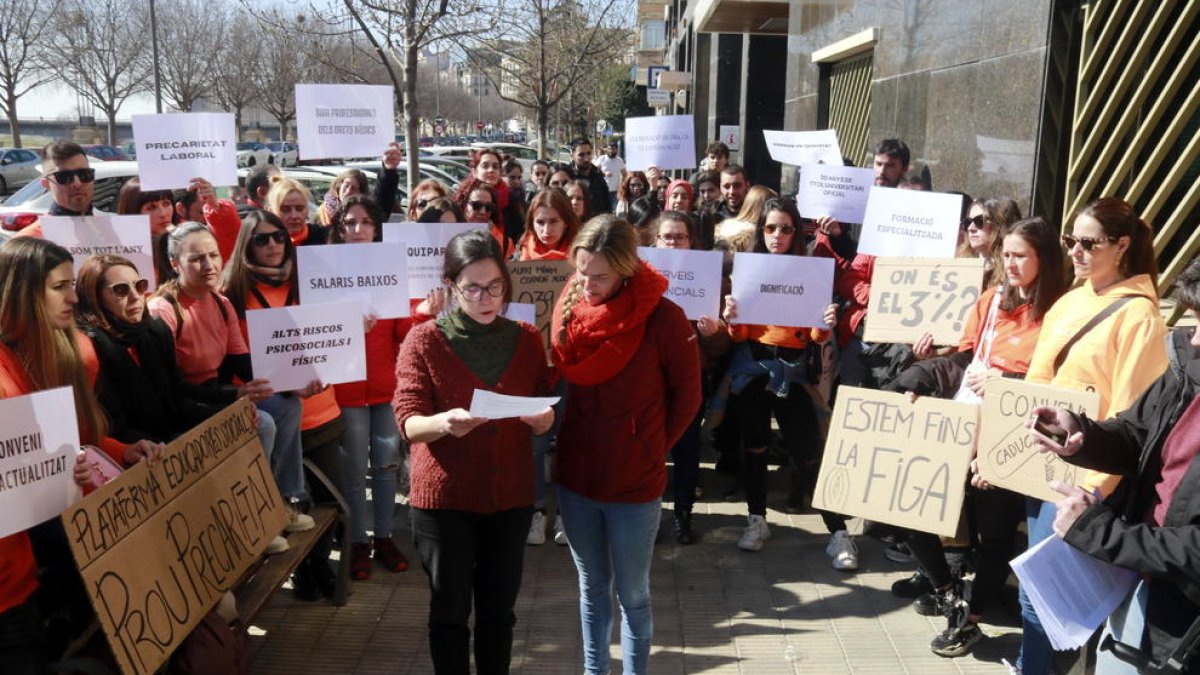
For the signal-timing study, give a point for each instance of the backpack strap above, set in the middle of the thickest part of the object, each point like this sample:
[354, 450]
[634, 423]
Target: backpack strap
[1095, 321]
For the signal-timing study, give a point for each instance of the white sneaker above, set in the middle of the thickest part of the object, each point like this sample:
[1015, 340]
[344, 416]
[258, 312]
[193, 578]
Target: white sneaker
[299, 522]
[843, 551]
[560, 537]
[278, 545]
[755, 534]
[537, 530]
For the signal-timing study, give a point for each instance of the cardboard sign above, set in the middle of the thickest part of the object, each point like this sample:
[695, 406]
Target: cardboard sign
[539, 283]
[86, 236]
[897, 462]
[160, 544]
[376, 274]
[37, 455]
[911, 296]
[804, 147]
[782, 290]
[174, 148]
[694, 278]
[1008, 455]
[292, 346]
[425, 245]
[335, 121]
[833, 190]
[664, 141]
[910, 223]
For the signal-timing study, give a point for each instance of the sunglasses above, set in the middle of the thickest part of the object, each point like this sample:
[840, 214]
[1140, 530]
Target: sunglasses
[481, 206]
[770, 228]
[65, 176]
[1087, 243]
[422, 203]
[278, 236]
[124, 288]
[976, 222]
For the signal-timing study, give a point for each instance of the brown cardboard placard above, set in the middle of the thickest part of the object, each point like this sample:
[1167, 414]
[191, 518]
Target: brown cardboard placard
[897, 462]
[1008, 455]
[912, 296]
[539, 283]
[158, 545]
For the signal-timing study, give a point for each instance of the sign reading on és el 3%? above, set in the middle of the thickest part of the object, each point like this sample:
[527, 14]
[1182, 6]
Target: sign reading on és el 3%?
[912, 296]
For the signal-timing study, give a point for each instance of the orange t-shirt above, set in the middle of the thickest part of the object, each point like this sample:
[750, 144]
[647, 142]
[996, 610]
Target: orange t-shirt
[18, 568]
[779, 336]
[1016, 334]
[207, 336]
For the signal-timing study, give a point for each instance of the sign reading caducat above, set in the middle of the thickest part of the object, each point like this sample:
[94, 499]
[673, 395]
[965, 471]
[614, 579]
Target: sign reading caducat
[693, 277]
[293, 346]
[910, 223]
[335, 121]
[375, 273]
[174, 148]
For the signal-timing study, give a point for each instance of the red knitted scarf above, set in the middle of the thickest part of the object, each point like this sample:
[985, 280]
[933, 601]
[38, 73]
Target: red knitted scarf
[600, 340]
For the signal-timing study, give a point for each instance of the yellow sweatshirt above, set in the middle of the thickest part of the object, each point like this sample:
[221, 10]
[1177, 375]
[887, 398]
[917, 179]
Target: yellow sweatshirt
[1118, 359]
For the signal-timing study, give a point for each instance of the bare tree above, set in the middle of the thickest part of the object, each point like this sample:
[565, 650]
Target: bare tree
[548, 47]
[106, 41]
[236, 67]
[192, 33]
[282, 67]
[23, 26]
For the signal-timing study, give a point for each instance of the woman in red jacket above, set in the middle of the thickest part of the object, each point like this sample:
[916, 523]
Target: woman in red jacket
[633, 385]
[550, 227]
[472, 478]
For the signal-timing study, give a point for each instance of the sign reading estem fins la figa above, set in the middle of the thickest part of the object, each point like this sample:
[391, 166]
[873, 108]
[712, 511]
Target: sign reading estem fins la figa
[664, 141]
[910, 223]
[374, 273]
[37, 455]
[782, 290]
[912, 296]
[292, 346]
[86, 236]
[693, 278]
[158, 545]
[425, 245]
[174, 148]
[897, 462]
[335, 121]
[1008, 455]
[804, 147]
[833, 190]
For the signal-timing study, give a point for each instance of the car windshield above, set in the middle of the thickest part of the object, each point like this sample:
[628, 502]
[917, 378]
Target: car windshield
[249, 146]
[276, 146]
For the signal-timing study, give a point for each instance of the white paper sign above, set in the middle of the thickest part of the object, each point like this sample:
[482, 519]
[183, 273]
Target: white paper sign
[292, 346]
[731, 136]
[664, 141]
[803, 147]
[782, 290]
[86, 236]
[425, 244]
[694, 278]
[38, 445]
[833, 190]
[376, 274]
[174, 148]
[335, 121]
[522, 311]
[495, 406]
[910, 223]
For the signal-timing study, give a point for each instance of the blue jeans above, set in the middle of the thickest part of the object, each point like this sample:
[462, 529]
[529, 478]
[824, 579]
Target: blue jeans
[612, 542]
[1037, 656]
[287, 455]
[371, 434]
[542, 445]
[1126, 624]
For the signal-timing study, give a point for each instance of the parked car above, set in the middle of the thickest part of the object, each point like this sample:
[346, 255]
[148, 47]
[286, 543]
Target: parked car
[18, 166]
[283, 154]
[252, 153]
[33, 200]
[458, 169]
[105, 153]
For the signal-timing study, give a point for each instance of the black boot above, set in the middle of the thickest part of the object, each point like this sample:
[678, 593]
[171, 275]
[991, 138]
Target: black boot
[683, 528]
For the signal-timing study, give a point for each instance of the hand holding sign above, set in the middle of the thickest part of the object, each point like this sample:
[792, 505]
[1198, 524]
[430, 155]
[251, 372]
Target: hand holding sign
[911, 297]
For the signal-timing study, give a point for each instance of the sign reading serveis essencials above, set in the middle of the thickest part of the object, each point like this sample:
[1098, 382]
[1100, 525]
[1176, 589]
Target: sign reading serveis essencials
[336, 121]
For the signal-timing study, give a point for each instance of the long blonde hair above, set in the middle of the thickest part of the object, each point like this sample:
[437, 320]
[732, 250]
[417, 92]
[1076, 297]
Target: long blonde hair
[281, 187]
[616, 240]
[50, 355]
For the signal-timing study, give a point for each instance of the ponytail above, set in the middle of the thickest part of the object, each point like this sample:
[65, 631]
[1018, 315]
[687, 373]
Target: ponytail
[1117, 218]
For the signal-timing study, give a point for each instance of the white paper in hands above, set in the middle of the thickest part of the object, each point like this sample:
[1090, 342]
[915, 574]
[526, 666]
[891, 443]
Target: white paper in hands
[495, 406]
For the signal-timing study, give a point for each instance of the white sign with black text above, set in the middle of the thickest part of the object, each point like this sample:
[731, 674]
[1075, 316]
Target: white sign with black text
[910, 223]
[664, 141]
[839, 192]
[86, 236]
[37, 458]
[803, 147]
[336, 121]
[694, 278]
[425, 244]
[293, 346]
[174, 148]
[782, 290]
[375, 273]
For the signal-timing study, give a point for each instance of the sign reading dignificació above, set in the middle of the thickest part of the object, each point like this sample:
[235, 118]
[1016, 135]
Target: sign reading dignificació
[782, 290]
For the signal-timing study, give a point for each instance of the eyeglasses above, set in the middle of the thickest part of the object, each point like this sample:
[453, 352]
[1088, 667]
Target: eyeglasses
[770, 228]
[262, 239]
[977, 222]
[474, 292]
[1088, 243]
[351, 225]
[124, 288]
[673, 238]
[65, 176]
[481, 206]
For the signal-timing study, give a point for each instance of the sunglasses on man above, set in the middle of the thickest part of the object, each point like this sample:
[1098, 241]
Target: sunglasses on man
[66, 176]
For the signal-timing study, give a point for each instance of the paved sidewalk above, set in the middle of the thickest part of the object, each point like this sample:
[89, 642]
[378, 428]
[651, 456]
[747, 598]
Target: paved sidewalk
[717, 610]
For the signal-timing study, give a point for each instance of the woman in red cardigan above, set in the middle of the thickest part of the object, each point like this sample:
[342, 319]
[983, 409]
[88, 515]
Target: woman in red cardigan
[633, 386]
[472, 478]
